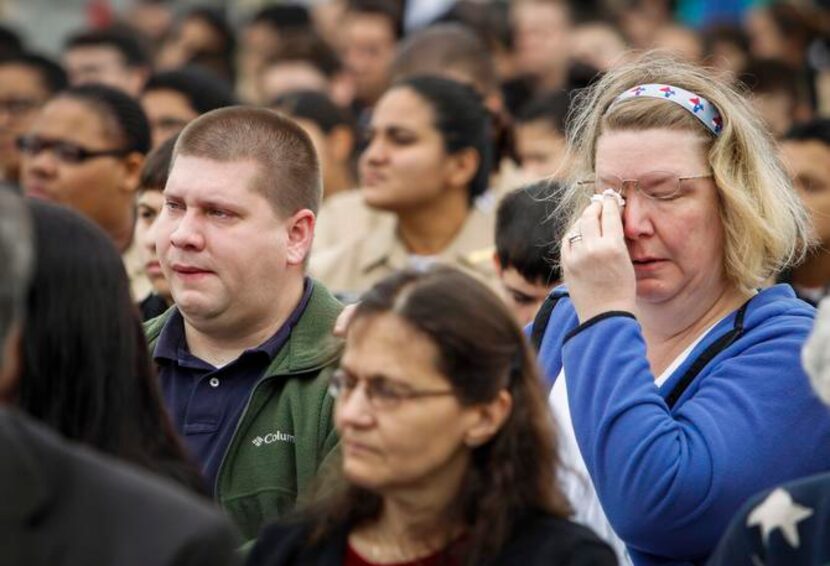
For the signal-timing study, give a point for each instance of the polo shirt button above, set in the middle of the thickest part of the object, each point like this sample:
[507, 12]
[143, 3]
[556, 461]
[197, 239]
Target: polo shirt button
[214, 382]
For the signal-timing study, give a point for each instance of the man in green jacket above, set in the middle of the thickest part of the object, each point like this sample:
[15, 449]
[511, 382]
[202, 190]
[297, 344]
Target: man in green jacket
[245, 355]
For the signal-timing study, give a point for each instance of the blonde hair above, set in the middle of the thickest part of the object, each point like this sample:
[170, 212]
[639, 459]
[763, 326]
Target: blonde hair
[766, 228]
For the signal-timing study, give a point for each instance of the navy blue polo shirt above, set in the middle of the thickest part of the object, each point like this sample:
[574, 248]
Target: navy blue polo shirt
[206, 402]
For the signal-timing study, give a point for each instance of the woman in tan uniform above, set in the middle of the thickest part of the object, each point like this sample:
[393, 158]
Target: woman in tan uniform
[428, 157]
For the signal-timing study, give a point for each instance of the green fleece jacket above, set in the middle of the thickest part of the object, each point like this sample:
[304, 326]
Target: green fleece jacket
[286, 429]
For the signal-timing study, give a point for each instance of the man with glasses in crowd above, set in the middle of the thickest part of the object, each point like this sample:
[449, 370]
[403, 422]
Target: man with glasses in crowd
[27, 81]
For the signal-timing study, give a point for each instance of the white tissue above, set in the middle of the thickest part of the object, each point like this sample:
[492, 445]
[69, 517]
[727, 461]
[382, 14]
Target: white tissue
[612, 192]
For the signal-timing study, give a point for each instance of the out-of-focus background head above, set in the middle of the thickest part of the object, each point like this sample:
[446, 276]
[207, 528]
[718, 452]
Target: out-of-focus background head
[27, 81]
[115, 57]
[171, 99]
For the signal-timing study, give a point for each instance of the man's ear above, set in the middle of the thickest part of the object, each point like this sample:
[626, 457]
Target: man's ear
[463, 166]
[300, 232]
[488, 419]
[133, 163]
[497, 266]
[11, 366]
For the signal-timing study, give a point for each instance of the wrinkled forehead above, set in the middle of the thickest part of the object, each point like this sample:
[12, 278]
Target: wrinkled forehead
[632, 152]
[196, 176]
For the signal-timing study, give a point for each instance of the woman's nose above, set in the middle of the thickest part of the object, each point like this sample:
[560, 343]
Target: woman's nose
[375, 152]
[43, 162]
[636, 216]
[354, 408]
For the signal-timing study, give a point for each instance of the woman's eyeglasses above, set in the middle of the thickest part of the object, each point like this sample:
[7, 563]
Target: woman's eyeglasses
[655, 185]
[65, 151]
[380, 392]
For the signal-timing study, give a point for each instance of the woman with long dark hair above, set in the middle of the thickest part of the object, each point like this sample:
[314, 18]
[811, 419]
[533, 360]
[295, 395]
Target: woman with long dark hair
[448, 455]
[86, 370]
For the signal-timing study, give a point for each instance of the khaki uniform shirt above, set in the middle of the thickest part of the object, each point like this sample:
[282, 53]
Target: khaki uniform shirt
[345, 217]
[352, 267]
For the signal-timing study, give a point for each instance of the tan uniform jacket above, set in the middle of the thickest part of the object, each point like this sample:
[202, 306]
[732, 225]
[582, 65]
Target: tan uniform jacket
[352, 267]
[345, 217]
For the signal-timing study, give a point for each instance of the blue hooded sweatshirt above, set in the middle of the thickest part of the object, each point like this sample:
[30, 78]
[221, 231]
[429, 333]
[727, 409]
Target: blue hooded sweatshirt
[671, 471]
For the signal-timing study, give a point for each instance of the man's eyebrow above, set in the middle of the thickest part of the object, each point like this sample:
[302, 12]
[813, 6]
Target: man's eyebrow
[518, 292]
[208, 201]
[213, 202]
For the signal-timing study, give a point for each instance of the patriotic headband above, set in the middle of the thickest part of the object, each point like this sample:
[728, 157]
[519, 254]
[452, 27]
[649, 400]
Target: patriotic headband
[698, 106]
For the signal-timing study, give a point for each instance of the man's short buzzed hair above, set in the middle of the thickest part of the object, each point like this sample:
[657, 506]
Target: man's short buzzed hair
[289, 171]
[16, 257]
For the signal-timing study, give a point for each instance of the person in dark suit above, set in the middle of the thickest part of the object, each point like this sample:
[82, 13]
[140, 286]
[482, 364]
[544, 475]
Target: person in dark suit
[63, 504]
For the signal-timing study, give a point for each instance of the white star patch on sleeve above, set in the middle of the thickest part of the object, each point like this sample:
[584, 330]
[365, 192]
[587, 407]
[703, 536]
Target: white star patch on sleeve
[779, 511]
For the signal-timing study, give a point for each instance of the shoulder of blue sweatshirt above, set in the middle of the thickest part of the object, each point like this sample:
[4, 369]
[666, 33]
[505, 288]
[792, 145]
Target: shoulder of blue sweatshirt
[669, 479]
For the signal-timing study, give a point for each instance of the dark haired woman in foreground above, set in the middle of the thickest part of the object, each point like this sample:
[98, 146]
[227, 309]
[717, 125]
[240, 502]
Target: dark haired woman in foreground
[448, 455]
[86, 370]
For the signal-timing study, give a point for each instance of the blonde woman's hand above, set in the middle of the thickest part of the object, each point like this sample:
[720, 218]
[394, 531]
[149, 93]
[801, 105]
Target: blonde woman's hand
[595, 262]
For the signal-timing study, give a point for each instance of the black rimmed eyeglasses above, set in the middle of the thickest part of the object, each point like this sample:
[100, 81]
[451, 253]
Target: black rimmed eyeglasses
[655, 185]
[67, 152]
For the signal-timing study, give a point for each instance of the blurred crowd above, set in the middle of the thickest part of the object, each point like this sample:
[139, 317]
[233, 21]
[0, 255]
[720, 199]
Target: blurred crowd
[232, 178]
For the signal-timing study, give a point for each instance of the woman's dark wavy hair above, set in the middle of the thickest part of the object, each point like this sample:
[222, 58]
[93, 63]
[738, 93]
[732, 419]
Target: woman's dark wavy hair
[86, 366]
[461, 118]
[118, 110]
[482, 351]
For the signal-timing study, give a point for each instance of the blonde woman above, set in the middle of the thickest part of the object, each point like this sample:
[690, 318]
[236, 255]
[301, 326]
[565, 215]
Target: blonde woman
[678, 384]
